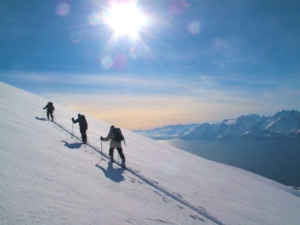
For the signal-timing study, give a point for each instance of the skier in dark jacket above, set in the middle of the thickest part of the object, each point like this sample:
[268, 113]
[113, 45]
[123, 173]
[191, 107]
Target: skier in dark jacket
[83, 126]
[50, 108]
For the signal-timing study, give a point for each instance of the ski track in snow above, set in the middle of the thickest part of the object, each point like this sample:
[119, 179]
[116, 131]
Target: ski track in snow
[158, 189]
[160, 221]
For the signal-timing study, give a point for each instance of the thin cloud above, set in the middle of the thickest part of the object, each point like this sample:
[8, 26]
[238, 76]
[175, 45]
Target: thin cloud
[136, 102]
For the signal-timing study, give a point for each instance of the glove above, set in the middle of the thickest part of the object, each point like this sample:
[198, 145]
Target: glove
[101, 138]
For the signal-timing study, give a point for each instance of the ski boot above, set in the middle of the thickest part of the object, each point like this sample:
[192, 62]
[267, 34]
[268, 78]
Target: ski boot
[123, 163]
[112, 159]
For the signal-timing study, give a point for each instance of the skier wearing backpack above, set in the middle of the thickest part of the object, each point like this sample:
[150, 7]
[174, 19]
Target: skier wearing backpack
[50, 108]
[83, 126]
[115, 137]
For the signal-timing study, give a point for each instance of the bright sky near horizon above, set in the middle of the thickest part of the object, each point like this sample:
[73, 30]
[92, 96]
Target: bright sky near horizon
[149, 63]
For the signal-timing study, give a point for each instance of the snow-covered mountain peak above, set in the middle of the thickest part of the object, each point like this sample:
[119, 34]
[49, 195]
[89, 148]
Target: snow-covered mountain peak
[284, 124]
[287, 114]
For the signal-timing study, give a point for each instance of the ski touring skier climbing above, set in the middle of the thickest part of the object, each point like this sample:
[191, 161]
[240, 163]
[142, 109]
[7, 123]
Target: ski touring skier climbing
[115, 137]
[50, 108]
[83, 126]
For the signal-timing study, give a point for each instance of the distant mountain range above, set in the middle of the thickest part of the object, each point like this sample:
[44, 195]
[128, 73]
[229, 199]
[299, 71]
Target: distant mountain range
[284, 124]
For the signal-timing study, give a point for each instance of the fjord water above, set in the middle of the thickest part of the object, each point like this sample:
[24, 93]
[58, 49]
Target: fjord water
[276, 159]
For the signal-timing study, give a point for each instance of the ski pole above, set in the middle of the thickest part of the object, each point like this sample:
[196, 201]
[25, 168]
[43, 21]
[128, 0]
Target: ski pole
[72, 129]
[101, 154]
[43, 113]
[101, 150]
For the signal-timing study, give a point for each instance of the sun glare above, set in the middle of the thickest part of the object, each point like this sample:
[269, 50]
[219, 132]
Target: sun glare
[126, 19]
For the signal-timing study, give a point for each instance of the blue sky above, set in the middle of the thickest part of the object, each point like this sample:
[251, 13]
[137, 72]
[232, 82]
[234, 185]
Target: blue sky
[191, 61]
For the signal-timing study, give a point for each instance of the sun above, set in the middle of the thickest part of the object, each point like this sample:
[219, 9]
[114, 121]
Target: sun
[125, 19]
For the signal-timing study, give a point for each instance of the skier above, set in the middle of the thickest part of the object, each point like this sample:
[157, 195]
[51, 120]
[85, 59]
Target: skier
[115, 142]
[83, 126]
[50, 108]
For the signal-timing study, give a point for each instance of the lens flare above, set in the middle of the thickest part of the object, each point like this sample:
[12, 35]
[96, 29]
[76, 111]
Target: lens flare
[133, 53]
[176, 7]
[63, 9]
[75, 36]
[107, 62]
[194, 27]
[97, 18]
[120, 62]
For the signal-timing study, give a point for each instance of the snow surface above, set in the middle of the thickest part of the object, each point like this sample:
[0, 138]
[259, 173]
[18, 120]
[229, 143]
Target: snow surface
[49, 177]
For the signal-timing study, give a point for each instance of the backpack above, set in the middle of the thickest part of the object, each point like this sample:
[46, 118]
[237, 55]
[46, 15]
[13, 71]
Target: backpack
[118, 135]
[50, 105]
[82, 121]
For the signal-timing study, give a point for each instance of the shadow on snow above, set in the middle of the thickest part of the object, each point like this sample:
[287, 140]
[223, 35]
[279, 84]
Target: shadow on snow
[42, 119]
[72, 145]
[112, 173]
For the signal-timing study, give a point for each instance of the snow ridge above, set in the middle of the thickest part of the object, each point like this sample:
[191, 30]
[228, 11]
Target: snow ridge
[284, 124]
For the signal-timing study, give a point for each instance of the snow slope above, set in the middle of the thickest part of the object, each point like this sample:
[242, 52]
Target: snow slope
[49, 177]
